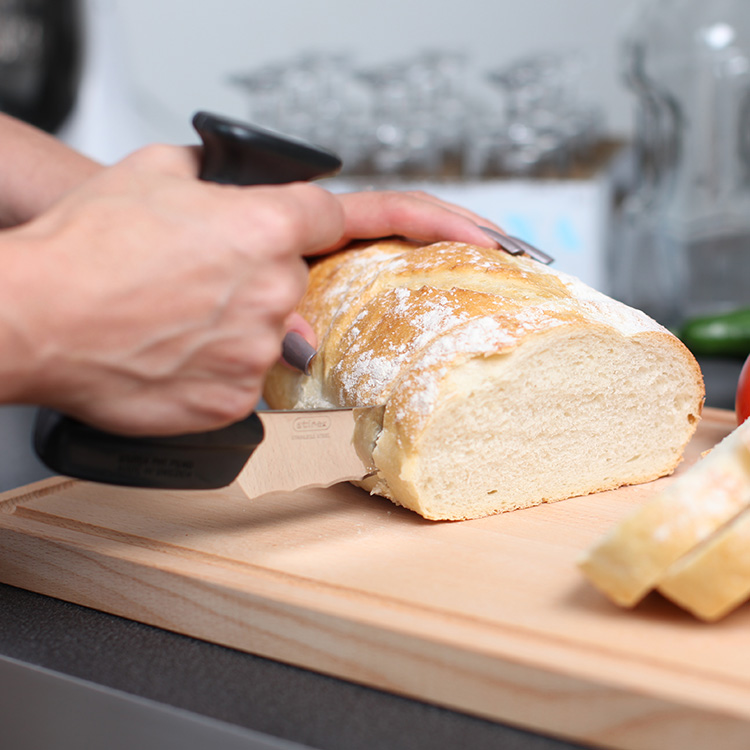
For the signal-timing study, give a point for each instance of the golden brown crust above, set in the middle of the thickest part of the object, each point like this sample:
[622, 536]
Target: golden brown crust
[396, 320]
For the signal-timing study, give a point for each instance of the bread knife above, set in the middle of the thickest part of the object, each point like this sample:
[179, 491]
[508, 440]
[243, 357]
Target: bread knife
[233, 153]
[269, 451]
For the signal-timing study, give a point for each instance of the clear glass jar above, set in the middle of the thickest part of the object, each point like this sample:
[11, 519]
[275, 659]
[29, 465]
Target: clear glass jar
[682, 234]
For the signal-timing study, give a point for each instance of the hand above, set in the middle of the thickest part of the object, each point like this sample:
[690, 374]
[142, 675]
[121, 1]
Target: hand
[147, 302]
[413, 214]
[155, 302]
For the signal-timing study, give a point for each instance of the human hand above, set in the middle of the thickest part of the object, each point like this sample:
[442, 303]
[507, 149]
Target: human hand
[413, 214]
[149, 302]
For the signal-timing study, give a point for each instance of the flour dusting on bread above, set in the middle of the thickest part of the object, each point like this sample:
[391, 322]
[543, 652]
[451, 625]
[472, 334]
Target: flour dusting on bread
[505, 383]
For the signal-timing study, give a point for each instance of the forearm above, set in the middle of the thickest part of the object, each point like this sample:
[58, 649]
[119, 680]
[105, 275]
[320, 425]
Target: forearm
[35, 170]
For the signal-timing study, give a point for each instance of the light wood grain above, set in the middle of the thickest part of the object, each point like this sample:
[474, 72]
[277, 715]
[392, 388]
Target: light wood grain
[491, 616]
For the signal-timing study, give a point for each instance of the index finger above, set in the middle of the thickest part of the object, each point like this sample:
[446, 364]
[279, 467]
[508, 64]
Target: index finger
[177, 161]
[419, 216]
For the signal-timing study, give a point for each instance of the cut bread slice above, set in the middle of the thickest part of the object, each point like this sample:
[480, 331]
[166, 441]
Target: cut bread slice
[714, 578]
[642, 552]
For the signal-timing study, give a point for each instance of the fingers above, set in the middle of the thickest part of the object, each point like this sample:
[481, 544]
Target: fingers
[304, 218]
[455, 208]
[178, 161]
[299, 344]
[297, 324]
[415, 215]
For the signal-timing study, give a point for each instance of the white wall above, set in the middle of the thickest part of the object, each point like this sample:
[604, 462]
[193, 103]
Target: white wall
[176, 54]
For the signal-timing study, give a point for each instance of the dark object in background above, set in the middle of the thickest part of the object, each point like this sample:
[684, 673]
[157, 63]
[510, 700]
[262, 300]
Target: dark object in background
[724, 335]
[40, 59]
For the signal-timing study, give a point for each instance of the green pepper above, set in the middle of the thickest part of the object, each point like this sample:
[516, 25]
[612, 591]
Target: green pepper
[725, 335]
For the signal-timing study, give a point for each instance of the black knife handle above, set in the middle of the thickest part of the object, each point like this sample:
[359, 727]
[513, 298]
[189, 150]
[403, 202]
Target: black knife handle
[233, 153]
[198, 461]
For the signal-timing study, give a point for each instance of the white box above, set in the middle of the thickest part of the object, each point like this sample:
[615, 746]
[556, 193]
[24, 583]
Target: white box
[567, 218]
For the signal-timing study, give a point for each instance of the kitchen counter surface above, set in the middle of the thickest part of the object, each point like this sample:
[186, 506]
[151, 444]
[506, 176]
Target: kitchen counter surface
[72, 677]
[223, 698]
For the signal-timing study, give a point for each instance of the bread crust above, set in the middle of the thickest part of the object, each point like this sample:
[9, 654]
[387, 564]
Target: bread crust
[397, 321]
[691, 540]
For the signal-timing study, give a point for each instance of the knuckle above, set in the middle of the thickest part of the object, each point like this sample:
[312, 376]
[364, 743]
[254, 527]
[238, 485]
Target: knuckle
[248, 357]
[153, 153]
[162, 157]
[266, 352]
[419, 194]
[222, 405]
[275, 227]
[297, 208]
[250, 365]
[309, 192]
[287, 290]
[280, 288]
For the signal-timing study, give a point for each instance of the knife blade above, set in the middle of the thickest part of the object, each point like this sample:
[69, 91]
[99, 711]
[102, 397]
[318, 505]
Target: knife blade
[317, 448]
[269, 451]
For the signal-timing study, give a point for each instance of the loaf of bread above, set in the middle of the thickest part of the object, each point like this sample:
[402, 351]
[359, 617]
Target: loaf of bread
[506, 384]
[691, 540]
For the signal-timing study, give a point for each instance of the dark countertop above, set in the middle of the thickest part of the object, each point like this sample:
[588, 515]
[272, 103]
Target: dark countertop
[72, 677]
[231, 689]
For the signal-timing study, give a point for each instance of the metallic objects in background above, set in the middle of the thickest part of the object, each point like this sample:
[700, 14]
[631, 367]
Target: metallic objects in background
[40, 59]
[681, 236]
[425, 117]
[540, 120]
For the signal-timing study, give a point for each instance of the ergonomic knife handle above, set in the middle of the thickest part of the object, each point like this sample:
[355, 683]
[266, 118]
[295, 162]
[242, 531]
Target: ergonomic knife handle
[233, 153]
[198, 461]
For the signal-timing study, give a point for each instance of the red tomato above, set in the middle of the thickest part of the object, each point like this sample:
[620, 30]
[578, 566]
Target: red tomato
[743, 393]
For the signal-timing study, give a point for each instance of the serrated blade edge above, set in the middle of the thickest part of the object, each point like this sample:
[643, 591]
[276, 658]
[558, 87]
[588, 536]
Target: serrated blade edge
[317, 448]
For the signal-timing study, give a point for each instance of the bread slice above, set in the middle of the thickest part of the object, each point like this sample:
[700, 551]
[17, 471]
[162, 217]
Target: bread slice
[505, 383]
[647, 549]
[714, 578]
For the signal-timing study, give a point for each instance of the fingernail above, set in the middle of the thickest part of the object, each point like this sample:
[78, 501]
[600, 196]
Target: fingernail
[533, 252]
[517, 246]
[505, 242]
[297, 352]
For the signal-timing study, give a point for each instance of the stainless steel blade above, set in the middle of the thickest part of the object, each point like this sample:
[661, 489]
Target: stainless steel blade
[316, 448]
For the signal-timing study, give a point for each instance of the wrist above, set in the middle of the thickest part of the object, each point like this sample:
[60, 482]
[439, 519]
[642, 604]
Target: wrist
[21, 343]
[37, 170]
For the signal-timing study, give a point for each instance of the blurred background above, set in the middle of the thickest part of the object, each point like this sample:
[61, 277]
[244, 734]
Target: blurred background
[614, 136]
[173, 56]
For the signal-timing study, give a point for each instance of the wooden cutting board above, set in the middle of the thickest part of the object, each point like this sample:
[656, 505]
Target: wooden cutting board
[490, 617]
